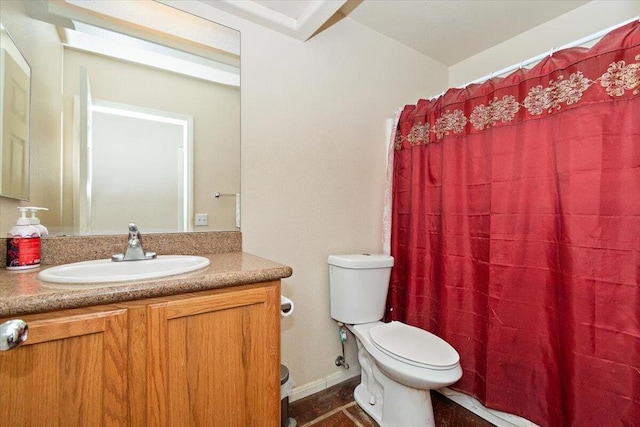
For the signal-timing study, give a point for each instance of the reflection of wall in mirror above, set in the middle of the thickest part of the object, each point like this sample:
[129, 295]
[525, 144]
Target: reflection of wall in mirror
[215, 109]
[14, 122]
[40, 45]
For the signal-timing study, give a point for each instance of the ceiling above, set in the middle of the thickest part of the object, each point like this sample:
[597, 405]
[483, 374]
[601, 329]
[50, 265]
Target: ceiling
[448, 31]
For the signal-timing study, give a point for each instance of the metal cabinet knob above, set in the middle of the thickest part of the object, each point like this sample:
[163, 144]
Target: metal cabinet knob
[12, 334]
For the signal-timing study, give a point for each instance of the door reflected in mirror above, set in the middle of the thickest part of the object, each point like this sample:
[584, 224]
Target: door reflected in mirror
[157, 62]
[133, 146]
[15, 93]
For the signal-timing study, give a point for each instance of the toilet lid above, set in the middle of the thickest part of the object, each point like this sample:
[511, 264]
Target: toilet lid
[413, 345]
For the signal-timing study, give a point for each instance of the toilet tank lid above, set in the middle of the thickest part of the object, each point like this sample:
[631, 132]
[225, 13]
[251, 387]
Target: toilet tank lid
[361, 261]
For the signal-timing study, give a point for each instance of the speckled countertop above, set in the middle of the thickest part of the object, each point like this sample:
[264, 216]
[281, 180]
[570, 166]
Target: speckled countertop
[22, 292]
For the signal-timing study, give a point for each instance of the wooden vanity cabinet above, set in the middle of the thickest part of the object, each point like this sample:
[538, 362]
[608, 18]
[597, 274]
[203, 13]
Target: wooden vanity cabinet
[209, 358]
[212, 359]
[71, 371]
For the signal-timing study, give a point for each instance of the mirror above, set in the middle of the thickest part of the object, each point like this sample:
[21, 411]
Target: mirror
[15, 92]
[149, 101]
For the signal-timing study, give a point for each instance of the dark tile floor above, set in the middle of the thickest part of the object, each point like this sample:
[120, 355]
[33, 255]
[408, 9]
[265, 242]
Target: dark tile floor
[335, 407]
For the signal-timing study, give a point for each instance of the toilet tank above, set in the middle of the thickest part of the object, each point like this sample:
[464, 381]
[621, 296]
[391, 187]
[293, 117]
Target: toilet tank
[358, 285]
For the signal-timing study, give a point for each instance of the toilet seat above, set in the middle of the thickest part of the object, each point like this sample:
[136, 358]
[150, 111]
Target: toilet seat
[414, 346]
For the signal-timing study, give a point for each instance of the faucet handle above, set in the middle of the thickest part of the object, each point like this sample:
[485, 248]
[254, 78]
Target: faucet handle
[133, 231]
[133, 251]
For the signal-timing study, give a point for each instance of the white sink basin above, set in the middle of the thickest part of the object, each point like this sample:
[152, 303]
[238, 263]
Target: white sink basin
[105, 270]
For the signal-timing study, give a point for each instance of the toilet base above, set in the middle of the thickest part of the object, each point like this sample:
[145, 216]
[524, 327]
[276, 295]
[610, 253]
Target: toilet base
[361, 397]
[388, 402]
[403, 406]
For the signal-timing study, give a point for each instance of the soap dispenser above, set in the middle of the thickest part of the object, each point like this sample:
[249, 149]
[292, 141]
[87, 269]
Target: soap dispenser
[23, 244]
[35, 221]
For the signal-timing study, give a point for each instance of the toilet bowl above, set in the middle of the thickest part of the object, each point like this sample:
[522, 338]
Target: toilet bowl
[395, 387]
[399, 363]
[411, 356]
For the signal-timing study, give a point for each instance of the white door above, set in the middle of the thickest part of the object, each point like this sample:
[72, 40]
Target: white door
[14, 155]
[135, 165]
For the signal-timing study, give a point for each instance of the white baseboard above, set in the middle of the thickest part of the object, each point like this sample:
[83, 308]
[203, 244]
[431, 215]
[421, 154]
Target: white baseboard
[500, 419]
[323, 383]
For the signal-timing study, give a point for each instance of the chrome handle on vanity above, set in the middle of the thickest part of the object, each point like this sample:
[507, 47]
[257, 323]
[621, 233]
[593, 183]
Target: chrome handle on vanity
[13, 333]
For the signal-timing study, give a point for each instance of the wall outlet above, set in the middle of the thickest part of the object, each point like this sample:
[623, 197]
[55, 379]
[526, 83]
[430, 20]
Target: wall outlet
[202, 219]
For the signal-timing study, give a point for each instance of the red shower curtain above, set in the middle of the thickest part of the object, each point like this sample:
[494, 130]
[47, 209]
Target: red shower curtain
[516, 234]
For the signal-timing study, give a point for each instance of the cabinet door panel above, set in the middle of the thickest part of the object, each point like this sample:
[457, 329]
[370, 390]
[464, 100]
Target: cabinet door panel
[216, 360]
[71, 371]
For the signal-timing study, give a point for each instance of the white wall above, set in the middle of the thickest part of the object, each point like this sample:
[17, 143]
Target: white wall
[313, 162]
[589, 19]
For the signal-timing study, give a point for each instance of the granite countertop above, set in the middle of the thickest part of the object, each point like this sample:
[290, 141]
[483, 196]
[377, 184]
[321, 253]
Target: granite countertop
[22, 293]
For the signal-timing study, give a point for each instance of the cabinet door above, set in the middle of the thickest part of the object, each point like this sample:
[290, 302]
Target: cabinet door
[214, 360]
[71, 371]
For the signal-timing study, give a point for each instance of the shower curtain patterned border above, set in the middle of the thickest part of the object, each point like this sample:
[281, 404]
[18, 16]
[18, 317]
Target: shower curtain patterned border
[619, 78]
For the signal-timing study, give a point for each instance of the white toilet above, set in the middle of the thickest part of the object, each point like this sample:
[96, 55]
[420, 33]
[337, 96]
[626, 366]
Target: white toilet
[399, 363]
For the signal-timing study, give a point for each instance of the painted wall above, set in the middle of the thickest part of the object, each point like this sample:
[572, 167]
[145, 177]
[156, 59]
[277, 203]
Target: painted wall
[313, 164]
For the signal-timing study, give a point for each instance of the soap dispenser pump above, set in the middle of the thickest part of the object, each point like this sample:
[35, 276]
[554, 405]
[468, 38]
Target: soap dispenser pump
[35, 221]
[23, 244]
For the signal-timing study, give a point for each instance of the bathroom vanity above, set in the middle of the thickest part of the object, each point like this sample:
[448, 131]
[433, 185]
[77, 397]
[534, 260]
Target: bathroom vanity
[196, 349]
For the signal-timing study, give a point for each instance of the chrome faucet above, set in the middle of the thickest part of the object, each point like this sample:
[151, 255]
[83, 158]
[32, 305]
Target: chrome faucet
[134, 250]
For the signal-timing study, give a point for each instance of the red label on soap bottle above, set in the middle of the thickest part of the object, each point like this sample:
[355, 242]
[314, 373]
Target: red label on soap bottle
[23, 252]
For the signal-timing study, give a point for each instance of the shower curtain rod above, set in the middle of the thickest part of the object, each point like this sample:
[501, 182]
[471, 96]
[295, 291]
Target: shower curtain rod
[540, 57]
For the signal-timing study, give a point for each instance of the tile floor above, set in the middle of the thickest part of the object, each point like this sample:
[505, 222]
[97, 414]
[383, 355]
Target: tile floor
[335, 407]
